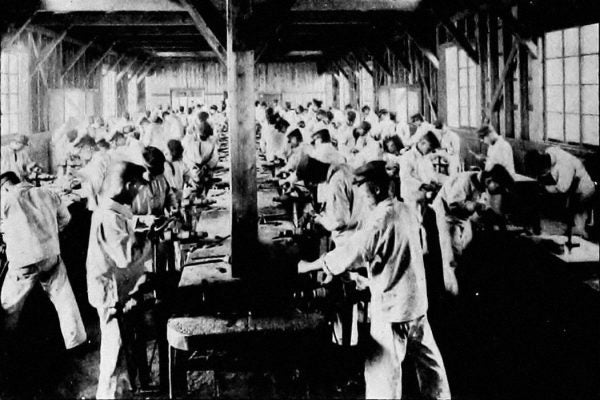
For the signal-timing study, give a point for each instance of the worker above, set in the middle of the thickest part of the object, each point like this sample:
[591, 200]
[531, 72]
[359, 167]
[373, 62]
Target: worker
[154, 135]
[499, 150]
[115, 268]
[367, 146]
[31, 219]
[156, 197]
[297, 151]
[369, 116]
[449, 146]
[201, 156]
[324, 150]
[386, 126]
[345, 139]
[417, 175]
[420, 128]
[561, 172]
[392, 147]
[15, 157]
[388, 244]
[176, 171]
[92, 175]
[462, 198]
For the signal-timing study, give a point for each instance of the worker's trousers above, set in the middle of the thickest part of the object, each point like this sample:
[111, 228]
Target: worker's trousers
[112, 357]
[52, 275]
[383, 365]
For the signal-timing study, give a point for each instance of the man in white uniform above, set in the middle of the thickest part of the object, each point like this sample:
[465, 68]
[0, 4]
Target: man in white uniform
[388, 244]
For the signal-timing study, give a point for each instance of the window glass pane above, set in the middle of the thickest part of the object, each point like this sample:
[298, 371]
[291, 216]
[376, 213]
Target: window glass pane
[462, 58]
[554, 72]
[14, 123]
[572, 128]
[4, 103]
[589, 69]
[13, 62]
[4, 125]
[464, 78]
[589, 39]
[554, 98]
[555, 126]
[572, 98]
[590, 130]
[554, 44]
[589, 99]
[4, 83]
[4, 61]
[13, 84]
[572, 70]
[13, 103]
[571, 37]
[464, 116]
[464, 97]
[451, 56]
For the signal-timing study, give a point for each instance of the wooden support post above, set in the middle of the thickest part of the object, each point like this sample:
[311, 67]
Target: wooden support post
[98, 62]
[524, 93]
[363, 63]
[144, 73]
[377, 57]
[460, 37]
[116, 63]
[242, 136]
[205, 30]
[508, 80]
[340, 69]
[492, 113]
[507, 66]
[125, 70]
[77, 57]
[482, 45]
[8, 41]
[140, 68]
[510, 22]
[47, 52]
[428, 53]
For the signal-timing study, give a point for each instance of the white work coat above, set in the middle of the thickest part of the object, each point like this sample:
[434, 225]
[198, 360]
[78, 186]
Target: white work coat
[31, 218]
[416, 169]
[114, 262]
[565, 167]
[450, 148]
[15, 161]
[388, 243]
[500, 153]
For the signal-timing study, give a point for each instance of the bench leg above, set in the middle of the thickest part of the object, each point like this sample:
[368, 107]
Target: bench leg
[177, 372]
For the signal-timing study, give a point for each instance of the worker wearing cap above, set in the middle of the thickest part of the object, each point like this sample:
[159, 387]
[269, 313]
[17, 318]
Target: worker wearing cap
[324, 150]
[115, 266]
[31, 218]
[16, 158]
[421, 128]
[388, 243]
[201, 156]
[462, 198]
[417, 174]
[449, 146]
[561, 172]
[499, 150]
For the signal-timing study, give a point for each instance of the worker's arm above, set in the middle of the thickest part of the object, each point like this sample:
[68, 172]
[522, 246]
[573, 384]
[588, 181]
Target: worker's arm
[408, 175]
[337, 208]
[359, 249]
[120, 244]
[63, 215]
[564, 179]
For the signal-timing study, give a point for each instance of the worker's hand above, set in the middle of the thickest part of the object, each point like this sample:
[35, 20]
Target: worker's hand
[306, 266]
[450, 281]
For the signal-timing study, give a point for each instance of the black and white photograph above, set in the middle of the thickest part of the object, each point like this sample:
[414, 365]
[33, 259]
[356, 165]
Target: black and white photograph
[299, 199]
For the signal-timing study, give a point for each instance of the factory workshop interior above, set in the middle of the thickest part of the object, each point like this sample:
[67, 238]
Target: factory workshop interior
[299, 199]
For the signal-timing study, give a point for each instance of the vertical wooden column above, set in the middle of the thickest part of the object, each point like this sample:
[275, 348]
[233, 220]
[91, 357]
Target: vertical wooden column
[524, 93]
[482, 49]
[493, 53]
[242, 142]
[509, 85]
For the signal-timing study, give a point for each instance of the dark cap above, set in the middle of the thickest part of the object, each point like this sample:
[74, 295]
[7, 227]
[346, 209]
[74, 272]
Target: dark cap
[484, 131]
[373, 171]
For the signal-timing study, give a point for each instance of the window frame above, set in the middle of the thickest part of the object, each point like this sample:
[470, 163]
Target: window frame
[473, 80]
[12, 78]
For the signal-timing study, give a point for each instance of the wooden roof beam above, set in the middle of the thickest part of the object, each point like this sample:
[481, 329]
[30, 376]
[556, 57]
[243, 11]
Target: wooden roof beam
[426, 50]
[282, 15]
[518, 31]
[125, 70]
[359, 57]
[48, 51]
[77, 57]
[206, 32]
[8, 41]
[508, 65]
[460, 38]
[129, 19]
[380, 60]
[100, 60]
[116, 63]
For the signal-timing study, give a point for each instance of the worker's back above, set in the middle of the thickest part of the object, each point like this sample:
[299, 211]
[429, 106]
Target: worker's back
[31, 220]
